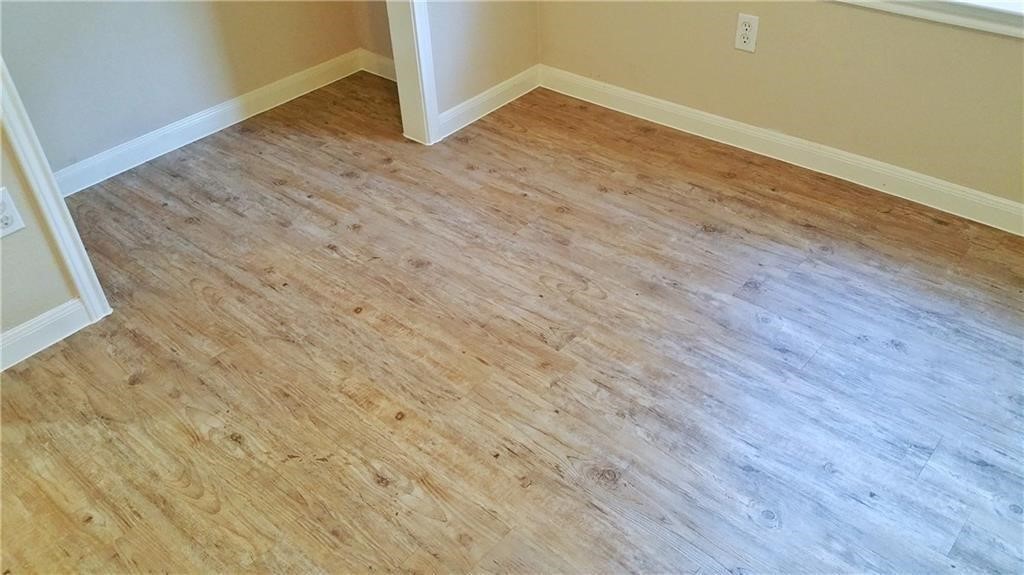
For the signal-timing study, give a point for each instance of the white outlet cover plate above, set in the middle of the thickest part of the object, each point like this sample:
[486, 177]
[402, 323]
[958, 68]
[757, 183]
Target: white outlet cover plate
[10, 219]
[746, 36]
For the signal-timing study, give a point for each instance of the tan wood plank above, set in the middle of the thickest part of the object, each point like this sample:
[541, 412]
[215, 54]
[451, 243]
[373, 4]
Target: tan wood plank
[563, 340]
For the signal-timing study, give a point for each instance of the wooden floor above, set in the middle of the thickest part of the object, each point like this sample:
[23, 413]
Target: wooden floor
[563, 340]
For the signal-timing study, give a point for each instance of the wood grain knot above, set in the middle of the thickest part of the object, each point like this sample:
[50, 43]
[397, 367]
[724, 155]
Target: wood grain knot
[768, 519]
[606, 476]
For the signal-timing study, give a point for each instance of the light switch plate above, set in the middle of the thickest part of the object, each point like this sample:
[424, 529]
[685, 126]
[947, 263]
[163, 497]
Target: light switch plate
[10, 219]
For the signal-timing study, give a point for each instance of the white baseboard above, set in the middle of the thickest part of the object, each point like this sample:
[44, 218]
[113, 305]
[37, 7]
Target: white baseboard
[126, 156]
[464, 114]
[930, 191]
[42, 331]
[940, 194]
[376, 64]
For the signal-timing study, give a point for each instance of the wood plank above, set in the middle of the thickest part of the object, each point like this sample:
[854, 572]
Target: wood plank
[562, 340]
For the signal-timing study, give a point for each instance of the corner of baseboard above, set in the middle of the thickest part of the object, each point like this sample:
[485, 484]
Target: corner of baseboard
[42, 331]
[377, 64]
[471, 110]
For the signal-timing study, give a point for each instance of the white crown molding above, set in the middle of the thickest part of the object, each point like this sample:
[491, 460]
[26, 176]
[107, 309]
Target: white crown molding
[42, 331]
[457, 117]
[126, 156]
[914, 186]
[56, 217]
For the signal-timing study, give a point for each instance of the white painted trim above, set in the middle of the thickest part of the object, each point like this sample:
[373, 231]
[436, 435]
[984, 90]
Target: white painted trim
[409, 23]
[464, 114]
[940, 194]
[377, 65]
[134, 152]
[964, 14]
[41, 332]
[930, 191]
[43, 187]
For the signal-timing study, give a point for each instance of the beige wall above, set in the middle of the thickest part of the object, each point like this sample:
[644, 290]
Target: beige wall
[372, 26]
[933, 98]
[94, 75]
[32, 277]
[937, 99]
[479, 44]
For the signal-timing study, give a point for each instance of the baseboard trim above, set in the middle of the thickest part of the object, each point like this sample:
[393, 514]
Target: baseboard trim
[377, 65]
[464, 114]
[42, 331]
[132, 153]
[914, 186]
[940, 194]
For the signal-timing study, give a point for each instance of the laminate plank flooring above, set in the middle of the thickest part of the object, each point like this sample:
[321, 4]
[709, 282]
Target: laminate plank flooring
[563, 340]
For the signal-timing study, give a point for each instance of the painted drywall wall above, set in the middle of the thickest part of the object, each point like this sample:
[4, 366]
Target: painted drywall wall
[479, 44]
[934, 98]
[372, 26]
[32, 277]
[94, 75]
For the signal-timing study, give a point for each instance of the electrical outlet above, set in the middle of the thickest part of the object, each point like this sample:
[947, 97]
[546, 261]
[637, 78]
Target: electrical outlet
[746, 32]
[10, 219]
